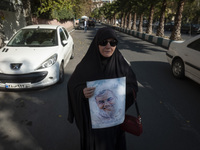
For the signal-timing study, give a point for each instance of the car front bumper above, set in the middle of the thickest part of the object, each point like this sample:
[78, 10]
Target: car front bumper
[45, 77]
[169, 58]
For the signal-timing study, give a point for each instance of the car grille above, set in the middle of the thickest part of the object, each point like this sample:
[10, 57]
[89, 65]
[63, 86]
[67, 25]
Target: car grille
[23, 78]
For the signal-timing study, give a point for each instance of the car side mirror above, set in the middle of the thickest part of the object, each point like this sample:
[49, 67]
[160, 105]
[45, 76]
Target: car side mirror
[6, 42]
[64, 42]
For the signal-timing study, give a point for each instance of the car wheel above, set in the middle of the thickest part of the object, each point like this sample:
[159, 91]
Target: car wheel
[72, 56]
[61, 73]
[178, 68]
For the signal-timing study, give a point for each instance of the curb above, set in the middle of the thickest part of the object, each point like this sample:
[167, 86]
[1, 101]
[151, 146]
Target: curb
[71, 30]
[163, 42]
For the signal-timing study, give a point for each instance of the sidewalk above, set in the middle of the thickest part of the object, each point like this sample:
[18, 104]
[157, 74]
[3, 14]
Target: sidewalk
[163, 42]
[14, 134]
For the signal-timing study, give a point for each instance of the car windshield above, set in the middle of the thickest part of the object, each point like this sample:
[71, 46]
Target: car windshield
[34, 38]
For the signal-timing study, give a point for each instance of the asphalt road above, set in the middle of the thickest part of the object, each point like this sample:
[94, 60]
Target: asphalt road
[37, 119]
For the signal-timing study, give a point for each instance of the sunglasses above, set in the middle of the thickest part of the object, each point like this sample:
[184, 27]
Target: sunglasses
[105, 42]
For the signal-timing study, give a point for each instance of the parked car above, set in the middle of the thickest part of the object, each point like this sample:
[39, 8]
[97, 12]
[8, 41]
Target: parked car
[155, 25]
[198, 31]
[35, 57]
[91, 22]
[169, 26]
[190, 28]
[118, 22]
[81, 24]
[183, 57]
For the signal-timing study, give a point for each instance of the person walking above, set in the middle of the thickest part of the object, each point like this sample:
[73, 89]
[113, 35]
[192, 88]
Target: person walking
[85, 25]
[103, 60]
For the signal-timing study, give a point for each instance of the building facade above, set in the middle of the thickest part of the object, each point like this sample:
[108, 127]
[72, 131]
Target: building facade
[99, 3]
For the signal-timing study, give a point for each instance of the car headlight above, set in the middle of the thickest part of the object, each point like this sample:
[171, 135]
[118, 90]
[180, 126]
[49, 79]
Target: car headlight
[49, 62]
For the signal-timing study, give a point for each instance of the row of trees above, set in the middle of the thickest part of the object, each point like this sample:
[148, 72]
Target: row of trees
[129, 11]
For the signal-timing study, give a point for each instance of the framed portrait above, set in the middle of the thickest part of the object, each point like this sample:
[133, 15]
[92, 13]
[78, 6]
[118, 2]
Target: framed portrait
[107, 105]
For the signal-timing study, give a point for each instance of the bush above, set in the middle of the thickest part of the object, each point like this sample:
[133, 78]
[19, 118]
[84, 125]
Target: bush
[62, 14]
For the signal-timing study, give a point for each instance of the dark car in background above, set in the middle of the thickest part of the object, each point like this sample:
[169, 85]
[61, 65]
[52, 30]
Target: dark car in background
[169, 26]
[190, 28]
[198, 31]
[91, 22]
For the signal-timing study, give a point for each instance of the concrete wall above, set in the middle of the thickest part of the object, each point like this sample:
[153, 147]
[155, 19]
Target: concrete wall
[69, 25]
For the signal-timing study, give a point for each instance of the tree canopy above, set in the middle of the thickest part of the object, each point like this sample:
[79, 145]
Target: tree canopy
[60, 9]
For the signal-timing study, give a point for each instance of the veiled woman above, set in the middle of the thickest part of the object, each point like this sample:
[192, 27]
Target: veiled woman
[103, 60]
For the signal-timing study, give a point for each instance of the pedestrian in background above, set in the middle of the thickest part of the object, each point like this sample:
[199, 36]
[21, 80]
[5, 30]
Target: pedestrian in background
[103, 60]
[85, 25]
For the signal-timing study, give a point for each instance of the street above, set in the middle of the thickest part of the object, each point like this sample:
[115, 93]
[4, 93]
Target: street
[37, 119]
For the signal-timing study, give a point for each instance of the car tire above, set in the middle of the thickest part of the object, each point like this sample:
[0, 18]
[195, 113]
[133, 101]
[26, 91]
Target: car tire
[72, 56]
[178, 68]
[61, 73]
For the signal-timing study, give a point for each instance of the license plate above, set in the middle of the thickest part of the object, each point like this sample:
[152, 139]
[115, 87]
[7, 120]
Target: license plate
[17, 85]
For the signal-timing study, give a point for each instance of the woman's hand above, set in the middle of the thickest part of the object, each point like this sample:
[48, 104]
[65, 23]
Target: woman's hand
[88, 92]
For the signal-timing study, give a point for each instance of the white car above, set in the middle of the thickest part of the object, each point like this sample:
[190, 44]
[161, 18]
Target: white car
[184, 58]
[35, 57]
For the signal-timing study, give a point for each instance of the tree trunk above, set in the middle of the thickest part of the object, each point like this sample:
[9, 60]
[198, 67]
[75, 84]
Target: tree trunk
[27, 11]
[150, 21]
[133, 27]
[2, 36]
[140, 28]
[122, 20]
[125, 20]
[176, 33]
[129, 20]
[114, 20]
[2, 33]
[160, 30]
